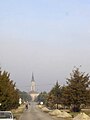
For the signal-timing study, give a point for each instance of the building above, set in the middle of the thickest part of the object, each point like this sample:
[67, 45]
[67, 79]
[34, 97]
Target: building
[33, 92]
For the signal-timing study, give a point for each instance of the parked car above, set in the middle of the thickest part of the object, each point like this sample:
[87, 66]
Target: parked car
[6, 115]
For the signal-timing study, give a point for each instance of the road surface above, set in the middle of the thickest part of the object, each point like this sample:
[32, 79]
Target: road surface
[34, 113]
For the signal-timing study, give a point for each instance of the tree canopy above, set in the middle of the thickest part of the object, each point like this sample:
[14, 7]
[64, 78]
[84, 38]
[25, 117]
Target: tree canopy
[25, 96]
[76, 91]
[9, 97]
[42, 97]
[54, 95]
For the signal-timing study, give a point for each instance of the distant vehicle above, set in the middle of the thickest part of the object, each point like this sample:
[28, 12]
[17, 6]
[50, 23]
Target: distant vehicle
[6, 115]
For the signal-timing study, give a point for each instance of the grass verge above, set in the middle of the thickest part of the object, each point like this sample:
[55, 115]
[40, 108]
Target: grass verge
[17, 112]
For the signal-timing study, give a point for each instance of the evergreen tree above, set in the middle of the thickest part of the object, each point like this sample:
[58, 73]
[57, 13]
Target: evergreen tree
[42, 97]
[55, 95]
[9, 97]
[24, 96]
[77, 89]
[64, 96]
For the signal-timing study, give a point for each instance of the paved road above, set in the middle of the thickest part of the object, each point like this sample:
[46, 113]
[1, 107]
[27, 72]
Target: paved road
[34, 113]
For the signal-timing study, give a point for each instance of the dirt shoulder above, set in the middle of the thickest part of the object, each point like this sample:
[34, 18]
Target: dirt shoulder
[18, 112]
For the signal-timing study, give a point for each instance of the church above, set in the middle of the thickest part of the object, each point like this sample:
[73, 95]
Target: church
[33, 93]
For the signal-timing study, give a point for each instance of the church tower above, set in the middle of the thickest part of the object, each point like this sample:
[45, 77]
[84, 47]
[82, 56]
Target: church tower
[33, 83]
[33, 92]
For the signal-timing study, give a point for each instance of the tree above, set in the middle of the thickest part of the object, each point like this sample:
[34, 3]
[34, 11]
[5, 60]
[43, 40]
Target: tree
[77, 89]
[24, 96]
[9, 97]
[42, 97]
[55, 94]
[64, 96]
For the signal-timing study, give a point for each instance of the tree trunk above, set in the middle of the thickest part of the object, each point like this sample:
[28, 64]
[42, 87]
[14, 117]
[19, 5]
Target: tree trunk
[75, 108]
[57, 105]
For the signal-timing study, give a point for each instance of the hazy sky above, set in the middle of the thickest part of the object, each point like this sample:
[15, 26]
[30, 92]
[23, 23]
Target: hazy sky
[46, 37]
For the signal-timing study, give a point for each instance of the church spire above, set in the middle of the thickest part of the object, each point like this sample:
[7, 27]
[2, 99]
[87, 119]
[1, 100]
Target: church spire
[32, 77]
[32, 83]
[33, 92]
